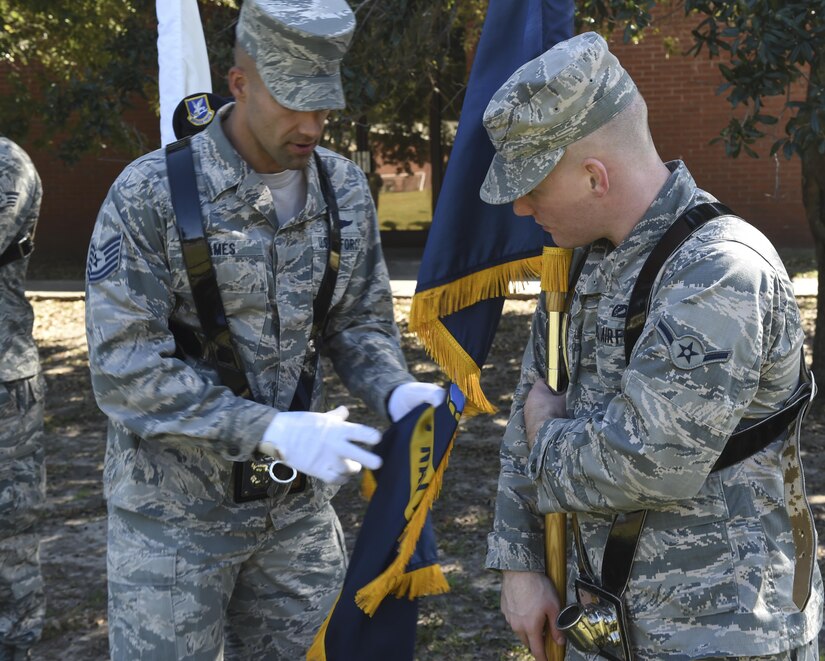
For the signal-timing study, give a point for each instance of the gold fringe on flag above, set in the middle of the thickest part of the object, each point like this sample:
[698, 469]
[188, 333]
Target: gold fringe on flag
[368, 484]
[318, 651]
[429, 305]
[392, 580]
[421, 582]
[457, 363]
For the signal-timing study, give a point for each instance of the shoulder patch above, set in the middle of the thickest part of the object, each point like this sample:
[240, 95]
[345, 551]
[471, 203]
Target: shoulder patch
[688, 352]
[104, 260]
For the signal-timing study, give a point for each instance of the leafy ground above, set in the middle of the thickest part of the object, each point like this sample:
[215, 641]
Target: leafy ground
[464, 624]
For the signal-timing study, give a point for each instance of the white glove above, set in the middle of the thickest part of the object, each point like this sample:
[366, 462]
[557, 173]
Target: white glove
[409, 395]
[319, 444]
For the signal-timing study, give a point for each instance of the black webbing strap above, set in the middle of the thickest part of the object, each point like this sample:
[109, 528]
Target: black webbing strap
[620, 549]
[674, 237]
[20, 248]
[218, 346]
[747, 441]
[196, 256]
[626, 529]
[320, 306]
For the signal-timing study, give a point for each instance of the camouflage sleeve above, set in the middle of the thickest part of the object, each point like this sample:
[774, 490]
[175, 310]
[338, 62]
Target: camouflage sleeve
[136, 379]
[20, 193]
[517, 540]
[362, 338]
[713, 331]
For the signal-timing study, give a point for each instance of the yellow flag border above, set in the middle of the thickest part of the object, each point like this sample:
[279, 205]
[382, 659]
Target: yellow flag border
[392, 580]
[431, 304]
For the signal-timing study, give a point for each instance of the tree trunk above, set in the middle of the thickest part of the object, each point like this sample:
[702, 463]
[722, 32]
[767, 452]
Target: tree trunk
[365, 160]
[436, 148]
[813, 197]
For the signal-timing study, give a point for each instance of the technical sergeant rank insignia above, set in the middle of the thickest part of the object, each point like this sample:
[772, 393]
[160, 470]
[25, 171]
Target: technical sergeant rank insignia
[103, 260]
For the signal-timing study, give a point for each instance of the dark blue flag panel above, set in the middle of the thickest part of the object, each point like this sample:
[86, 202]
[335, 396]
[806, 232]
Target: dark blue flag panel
[395, 553]
[475, 250]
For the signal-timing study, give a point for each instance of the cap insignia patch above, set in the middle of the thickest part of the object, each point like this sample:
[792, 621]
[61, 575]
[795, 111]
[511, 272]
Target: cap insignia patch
[199, 111]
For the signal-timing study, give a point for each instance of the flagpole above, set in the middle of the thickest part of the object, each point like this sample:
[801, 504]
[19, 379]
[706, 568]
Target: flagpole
[183, 62]
[554, 277]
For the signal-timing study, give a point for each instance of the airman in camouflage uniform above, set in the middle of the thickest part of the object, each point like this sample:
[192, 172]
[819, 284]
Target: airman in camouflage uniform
[193, 574]
[22, 467]
[713, 575]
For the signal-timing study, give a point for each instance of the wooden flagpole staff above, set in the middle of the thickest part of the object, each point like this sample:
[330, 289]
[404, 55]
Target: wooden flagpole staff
[554, 278]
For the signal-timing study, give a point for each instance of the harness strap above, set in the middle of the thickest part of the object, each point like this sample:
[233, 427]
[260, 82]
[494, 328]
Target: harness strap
[674, 237]
[747, 441]
[320, 306]
[215, 344]
[221, 350]
[20, 248]
[799, 510]
[626, 529]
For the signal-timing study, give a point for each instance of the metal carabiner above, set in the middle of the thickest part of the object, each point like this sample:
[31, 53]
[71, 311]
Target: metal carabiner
[280, 480]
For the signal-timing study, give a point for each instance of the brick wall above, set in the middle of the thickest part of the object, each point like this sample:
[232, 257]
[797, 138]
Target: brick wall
[686, 114]
[72, 195]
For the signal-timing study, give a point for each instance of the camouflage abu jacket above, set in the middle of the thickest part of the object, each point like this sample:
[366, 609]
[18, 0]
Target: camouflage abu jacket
[174, 433]
[20, 195]
[714, 570]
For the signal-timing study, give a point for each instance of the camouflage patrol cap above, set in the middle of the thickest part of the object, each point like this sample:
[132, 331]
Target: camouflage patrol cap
[297, 46]
[550, 102]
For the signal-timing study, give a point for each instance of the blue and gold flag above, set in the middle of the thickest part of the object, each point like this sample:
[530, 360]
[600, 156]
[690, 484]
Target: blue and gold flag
[395, 554]
[475, 251]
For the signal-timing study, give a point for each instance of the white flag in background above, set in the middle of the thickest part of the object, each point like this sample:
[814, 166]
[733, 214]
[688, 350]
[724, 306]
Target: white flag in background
[183, 65]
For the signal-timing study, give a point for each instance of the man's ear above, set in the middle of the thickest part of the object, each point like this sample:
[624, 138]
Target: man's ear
[237, 83]
[597, 178]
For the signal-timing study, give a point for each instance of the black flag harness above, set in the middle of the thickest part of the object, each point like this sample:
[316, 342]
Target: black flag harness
[745, 441]
[257, 478]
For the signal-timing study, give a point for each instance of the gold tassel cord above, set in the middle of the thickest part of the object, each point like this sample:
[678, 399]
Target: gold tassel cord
[555, 269]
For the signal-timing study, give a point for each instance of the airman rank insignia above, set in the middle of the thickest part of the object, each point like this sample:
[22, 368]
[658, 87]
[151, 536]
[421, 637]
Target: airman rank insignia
[103, 260]
[686, 351]
[8, 199]
[199, 112]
